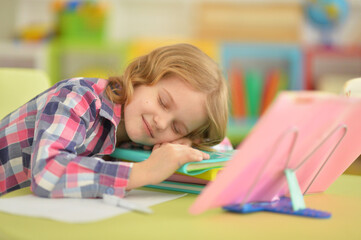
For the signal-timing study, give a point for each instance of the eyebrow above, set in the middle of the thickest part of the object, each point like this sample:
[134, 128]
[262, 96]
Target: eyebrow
[174, 103]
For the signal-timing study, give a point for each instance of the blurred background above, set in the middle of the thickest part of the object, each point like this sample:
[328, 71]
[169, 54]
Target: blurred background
[262, 46]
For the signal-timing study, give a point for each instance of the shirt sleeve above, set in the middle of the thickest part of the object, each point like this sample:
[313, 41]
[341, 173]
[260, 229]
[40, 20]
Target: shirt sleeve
[61, 128]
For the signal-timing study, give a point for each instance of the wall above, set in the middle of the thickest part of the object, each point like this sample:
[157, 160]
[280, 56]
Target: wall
[158, 18]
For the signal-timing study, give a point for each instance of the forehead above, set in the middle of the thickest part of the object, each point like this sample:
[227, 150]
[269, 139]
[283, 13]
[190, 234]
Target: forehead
[190, 104]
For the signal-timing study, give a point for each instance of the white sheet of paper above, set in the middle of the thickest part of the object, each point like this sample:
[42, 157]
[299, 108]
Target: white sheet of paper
[74, 210]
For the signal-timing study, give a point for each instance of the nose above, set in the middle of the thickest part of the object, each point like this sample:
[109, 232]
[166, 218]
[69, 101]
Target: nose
[162, 121]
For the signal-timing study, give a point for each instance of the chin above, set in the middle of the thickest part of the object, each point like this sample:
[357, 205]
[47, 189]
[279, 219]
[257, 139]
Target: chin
[137, 136]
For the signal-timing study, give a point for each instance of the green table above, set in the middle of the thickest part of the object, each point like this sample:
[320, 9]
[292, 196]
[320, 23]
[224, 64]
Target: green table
[172, 221]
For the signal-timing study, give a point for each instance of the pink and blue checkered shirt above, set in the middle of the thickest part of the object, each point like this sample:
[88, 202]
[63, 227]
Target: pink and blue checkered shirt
[55, 142]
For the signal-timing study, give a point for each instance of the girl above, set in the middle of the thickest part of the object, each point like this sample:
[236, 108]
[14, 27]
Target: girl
[172, 99]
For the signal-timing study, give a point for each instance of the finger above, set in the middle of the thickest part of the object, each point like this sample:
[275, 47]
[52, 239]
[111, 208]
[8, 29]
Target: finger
[205, 155]
[198, 155]
[193, 155]
[156, 146]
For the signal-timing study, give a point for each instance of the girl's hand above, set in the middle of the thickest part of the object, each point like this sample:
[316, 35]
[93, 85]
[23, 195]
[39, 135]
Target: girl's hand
[162, 163]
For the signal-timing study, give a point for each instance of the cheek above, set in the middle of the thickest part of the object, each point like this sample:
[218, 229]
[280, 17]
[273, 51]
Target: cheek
[140, 105]
[129, 114]
[168, 136]
[133, 106]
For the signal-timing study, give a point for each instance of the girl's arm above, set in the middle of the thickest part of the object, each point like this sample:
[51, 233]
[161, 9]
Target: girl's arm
[166, 158]
[61, 128]
[162, 163]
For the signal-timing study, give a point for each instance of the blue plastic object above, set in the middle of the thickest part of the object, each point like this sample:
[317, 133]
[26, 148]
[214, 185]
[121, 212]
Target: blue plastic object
[283, 206]
[326, 14]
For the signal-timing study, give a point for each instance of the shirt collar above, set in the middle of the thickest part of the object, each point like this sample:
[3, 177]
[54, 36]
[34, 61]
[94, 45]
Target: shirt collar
[110, 110]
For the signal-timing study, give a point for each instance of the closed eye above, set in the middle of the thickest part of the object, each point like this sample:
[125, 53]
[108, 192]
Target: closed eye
[161, 102]
[175, 129]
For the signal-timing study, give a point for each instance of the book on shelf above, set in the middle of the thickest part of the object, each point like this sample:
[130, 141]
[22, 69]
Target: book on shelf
[237, 92]
[254, 85]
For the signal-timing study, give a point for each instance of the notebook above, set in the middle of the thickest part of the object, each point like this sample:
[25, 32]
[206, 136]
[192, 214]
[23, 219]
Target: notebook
[217, 160]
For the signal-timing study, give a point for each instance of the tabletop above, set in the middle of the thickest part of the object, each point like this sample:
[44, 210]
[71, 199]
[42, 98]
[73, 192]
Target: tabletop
[171, 220]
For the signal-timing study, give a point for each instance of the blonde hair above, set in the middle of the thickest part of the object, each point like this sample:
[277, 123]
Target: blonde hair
[190, 64]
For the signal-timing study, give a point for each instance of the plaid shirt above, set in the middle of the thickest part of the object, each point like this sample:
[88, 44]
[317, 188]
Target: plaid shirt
[55, 141]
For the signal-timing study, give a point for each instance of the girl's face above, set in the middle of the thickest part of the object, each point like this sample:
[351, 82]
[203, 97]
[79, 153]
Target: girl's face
[165, 112]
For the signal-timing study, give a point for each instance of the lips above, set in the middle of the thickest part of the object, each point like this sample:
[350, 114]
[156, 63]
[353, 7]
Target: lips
[148, 128]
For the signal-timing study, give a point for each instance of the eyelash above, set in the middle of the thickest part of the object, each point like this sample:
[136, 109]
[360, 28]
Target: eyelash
[165, 107]
[162, 103]
[175, 129]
